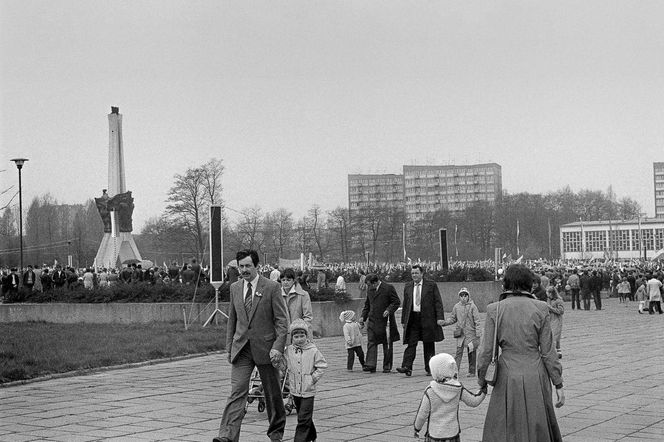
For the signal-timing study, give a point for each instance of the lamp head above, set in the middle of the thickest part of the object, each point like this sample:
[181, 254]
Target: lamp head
[19, 162]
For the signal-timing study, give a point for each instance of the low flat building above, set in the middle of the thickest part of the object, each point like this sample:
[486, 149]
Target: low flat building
[615, 239]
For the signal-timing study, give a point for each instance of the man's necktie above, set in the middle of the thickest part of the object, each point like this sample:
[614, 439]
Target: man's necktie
[247, 299]
[418, 294]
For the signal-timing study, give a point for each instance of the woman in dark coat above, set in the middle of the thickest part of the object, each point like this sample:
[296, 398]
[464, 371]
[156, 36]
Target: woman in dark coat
[521, 408]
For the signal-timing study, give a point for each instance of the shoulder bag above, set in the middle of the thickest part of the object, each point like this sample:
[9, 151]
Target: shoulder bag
[492, 370]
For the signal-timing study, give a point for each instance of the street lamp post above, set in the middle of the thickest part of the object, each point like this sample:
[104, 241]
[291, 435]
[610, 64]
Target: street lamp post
[19, 165]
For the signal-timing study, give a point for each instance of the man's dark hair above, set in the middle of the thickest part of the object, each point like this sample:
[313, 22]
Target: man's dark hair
[420, 267]
[518, 277]
[371, 278]
[247, 252]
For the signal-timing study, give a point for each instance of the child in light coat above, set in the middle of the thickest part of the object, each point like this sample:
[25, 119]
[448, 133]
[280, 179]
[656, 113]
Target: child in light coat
[306, 365]
[624, 290]
[556, 310]
[353, 337]
[439, 407]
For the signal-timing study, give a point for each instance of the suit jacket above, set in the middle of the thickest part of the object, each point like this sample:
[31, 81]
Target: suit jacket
[431, 310]
[377, 301]
[266, 326]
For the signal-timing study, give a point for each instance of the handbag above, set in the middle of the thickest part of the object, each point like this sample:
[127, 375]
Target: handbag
[458, 332]
[491, 374]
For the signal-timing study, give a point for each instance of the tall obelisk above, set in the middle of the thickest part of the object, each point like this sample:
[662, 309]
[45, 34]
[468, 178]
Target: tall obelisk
[116, 204]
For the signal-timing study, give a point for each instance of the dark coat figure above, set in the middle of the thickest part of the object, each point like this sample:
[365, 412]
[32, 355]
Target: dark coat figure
[421, 326]
[59, 278]
[379, 307]
[432, 311]
[174, 273]
[126, 274]
[29, 278]
[596, 288]
[188, 276]
[46, 280]
[11, 283]
[585, 285]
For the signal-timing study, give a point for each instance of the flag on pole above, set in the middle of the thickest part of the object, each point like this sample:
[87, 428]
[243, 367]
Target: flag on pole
[517, 236]
[403, 234]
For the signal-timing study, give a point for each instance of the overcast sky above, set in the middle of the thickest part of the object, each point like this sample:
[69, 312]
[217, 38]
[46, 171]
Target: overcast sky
[295, 95]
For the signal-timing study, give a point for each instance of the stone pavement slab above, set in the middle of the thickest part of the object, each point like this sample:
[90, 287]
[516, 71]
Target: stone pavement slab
[612, 367]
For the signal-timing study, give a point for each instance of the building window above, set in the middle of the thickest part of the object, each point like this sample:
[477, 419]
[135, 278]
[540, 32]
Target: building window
[619, 240]
[648, 243]
[659, 239]
[595, 241]
[571, 241]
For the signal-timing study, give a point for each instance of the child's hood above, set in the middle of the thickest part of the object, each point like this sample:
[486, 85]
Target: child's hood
[306, 346]
[447, 390]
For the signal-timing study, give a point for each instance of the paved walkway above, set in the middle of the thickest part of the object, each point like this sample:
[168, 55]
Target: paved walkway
[613, 370]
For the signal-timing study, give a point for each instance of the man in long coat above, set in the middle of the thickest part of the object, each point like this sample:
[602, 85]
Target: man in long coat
[379, 307]
[422, 318]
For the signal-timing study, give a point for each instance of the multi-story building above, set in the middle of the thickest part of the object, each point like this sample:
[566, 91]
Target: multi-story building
[426, 189]
[373, 191]
[430, 188]
[612, 239]
[658, 178]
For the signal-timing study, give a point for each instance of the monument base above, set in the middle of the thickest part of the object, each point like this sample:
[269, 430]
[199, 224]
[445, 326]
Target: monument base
[113, 251]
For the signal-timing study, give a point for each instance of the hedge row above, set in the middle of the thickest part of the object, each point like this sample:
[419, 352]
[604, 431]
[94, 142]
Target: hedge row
[143, 292]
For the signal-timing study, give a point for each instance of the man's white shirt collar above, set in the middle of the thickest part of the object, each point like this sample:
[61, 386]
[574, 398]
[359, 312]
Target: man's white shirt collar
[254, 283]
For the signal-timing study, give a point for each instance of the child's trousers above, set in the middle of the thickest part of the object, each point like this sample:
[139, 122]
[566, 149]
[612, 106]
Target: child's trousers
[305, 430]
[351, 356]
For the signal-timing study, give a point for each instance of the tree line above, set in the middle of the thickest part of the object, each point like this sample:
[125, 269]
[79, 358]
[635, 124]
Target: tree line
[52, 230]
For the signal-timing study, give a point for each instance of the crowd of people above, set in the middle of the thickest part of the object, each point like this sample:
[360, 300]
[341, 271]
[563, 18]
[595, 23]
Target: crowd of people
[270, 330]
[520, 325]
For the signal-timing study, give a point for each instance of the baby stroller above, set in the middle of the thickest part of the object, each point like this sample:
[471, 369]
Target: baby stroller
[256, 392]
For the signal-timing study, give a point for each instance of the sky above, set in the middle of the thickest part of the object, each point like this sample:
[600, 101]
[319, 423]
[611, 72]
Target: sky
[295, 95]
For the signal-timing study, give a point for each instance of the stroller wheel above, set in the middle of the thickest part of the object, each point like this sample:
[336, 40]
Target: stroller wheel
[261, 406]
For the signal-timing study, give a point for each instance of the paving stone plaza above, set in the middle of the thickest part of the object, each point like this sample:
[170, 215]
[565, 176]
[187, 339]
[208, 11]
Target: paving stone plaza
[613, 372]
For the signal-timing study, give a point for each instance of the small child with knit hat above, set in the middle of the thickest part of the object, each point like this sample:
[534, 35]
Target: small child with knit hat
[353, 337]
[306, 365]
[439, 408]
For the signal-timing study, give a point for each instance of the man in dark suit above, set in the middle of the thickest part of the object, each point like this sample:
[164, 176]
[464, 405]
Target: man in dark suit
[59, 278]
[422, 318]
[379, 307]
[255, 337]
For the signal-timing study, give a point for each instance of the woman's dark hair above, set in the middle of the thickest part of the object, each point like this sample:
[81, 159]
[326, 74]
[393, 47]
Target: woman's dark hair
[247, 252]
[518, 277]
[288, 273]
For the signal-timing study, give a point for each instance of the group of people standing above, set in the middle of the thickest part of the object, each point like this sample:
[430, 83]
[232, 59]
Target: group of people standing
[270, 322]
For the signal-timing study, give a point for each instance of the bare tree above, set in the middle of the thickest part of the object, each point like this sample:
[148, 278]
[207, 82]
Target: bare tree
[250, 228]
[339, 223]
[190, 197]
[315, 215]
[279, 230]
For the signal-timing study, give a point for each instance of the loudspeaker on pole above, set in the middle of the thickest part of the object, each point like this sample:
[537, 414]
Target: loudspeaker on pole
[216, 246]
[442, 233]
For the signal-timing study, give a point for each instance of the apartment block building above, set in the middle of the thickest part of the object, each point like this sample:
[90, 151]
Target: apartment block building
[426, 189]
[373, 191]
[658, 181]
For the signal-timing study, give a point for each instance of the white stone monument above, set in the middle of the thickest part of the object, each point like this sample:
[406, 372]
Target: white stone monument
[116, 205]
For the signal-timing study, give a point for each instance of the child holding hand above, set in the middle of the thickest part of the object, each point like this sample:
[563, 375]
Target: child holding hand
[439, 408]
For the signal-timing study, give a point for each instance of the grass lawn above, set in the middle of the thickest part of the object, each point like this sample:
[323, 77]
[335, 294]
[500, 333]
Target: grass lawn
[33, 349]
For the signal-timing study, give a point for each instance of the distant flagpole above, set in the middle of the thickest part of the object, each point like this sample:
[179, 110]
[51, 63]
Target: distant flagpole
[549, 222]
[403, 237]
[456, 249]
[517, 237]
